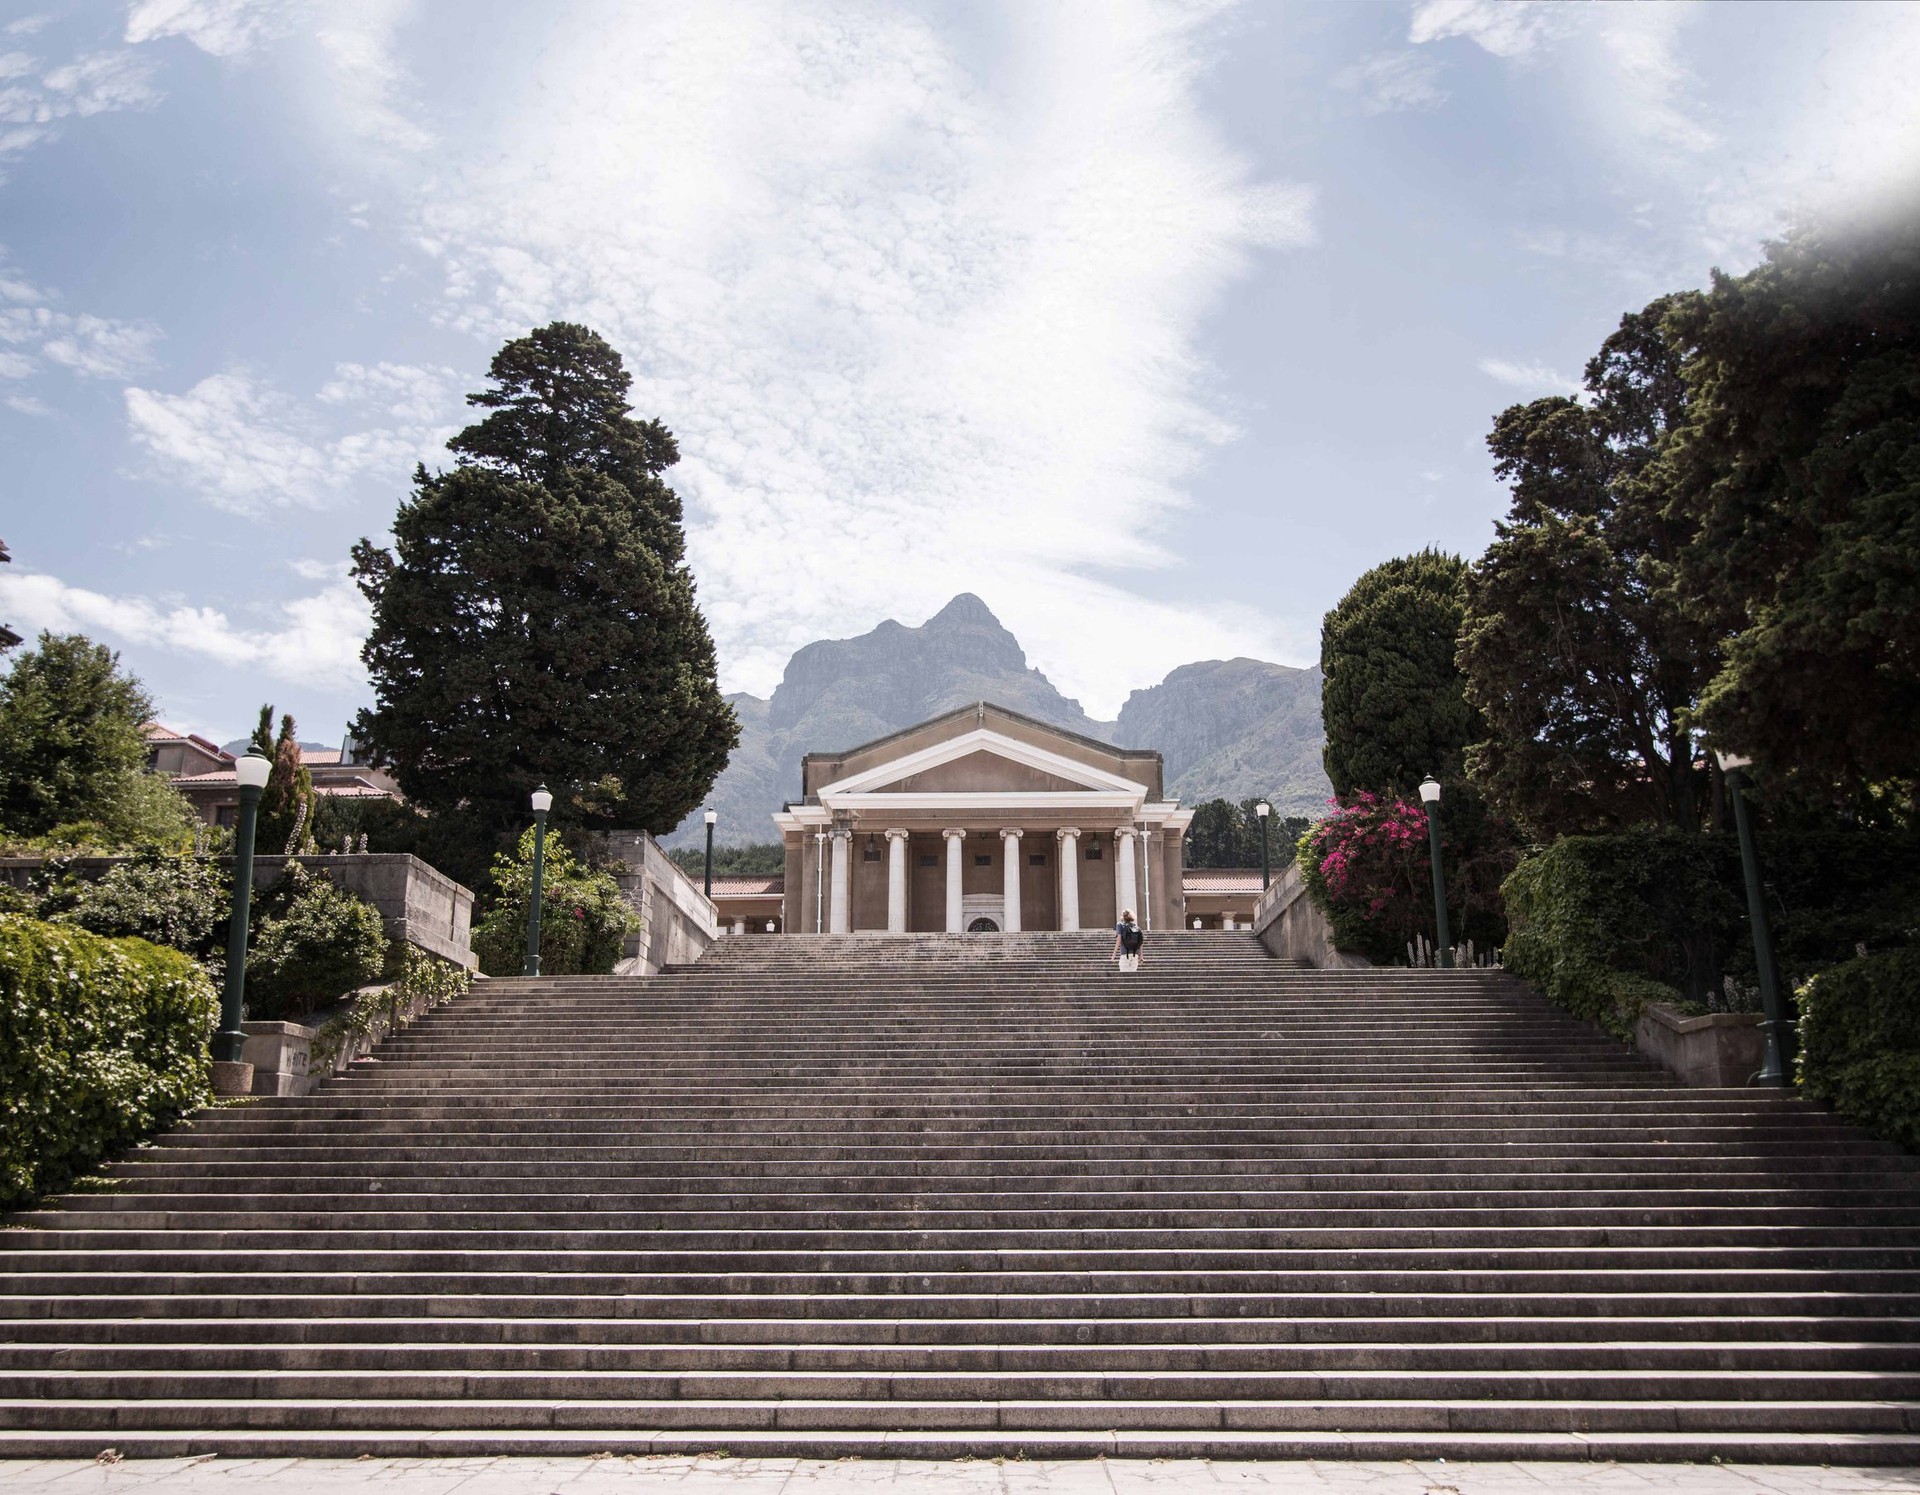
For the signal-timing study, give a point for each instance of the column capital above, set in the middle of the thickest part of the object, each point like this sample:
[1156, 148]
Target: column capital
[1125, 833]
[1067, 831]
[896, 835]
[953, 833]
[1010, 833]
[843, 833]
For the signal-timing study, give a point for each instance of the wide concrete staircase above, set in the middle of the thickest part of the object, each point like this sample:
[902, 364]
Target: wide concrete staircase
[980, 1195]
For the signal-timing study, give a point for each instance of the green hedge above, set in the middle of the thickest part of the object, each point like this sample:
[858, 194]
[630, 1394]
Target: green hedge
[1603, 924]
[1860, 1042]
[102, 1042]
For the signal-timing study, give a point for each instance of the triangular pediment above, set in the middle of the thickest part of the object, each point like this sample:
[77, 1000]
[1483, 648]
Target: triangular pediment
[983, 762]
[982, 772]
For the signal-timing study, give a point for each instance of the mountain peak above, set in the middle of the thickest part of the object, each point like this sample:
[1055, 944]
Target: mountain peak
[965, 610]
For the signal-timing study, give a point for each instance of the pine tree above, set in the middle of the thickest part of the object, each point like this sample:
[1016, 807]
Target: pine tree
[535, 620]
[287, 804]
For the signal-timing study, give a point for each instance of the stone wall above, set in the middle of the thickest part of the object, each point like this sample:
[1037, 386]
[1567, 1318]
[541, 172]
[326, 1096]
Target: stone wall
[1292, 927]
[419, 905]
[678, 923]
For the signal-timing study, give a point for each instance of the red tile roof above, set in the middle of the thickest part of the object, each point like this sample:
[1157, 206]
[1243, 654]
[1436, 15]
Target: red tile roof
[749, 887]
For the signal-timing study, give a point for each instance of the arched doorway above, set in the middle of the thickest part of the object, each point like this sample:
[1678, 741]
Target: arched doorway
[983, 926]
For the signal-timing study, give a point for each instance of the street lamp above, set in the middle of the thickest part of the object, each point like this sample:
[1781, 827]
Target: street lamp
[1779, 1030]
[1430, 795]
[1263, 810]
[231, 1041]
[542, 802]
[708, 888]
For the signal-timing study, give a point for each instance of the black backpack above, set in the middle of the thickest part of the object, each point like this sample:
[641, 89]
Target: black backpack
[1131, 939]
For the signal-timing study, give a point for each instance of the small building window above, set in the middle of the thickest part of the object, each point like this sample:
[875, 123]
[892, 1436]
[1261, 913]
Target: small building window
[1093, 852]
[980, 859]
[929, 859]
[1034, 859]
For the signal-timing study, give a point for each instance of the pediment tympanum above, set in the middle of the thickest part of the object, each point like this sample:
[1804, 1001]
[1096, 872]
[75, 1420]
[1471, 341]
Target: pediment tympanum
[981, 772]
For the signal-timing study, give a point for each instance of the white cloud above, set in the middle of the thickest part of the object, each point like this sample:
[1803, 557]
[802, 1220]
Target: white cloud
[26, 404]
[1389, 82]
[222, 28]
[1529, 376]
[313, 641]
[1506, 28]
[32, 107]
[924, 321]
[247, 448]
[99, 347]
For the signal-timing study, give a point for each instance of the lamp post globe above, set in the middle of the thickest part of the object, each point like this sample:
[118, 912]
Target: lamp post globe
[1264, 811]
[1430, 797]
[710, 817]
[1774, 1069]
[542, 799]
[251, 773]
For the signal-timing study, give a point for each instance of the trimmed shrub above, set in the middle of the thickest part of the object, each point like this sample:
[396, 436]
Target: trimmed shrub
[1669, 911]
[584, 917]
[316, 944]
[102, 1043]
[1860, 1042]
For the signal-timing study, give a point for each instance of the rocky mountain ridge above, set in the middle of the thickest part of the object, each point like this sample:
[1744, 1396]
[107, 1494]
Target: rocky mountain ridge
[1227, 727]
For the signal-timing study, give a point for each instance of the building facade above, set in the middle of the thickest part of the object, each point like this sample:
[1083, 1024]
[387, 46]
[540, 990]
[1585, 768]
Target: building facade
[981, 820]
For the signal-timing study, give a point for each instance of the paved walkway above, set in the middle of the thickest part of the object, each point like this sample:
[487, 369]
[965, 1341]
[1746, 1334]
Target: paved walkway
[672, 1475]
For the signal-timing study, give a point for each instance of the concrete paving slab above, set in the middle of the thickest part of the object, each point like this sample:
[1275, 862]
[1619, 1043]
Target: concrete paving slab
[686, 1475]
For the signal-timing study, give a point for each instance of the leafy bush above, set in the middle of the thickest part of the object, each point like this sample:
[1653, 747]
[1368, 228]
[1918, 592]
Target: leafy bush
[102, 1043]
[177, 901]
[316, 944]
[1368, 868]
[1860, 1042]
[584, 917]
[1667, 908]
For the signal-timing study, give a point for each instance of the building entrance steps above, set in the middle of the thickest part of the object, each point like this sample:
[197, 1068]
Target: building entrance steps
[984, 1195]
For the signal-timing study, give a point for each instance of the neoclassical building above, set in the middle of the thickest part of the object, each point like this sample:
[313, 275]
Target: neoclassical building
[981, 820]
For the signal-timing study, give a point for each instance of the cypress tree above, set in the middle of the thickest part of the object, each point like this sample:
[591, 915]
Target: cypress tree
[535, 619]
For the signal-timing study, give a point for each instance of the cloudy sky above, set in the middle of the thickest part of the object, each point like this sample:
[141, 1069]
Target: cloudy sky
[1151, 323]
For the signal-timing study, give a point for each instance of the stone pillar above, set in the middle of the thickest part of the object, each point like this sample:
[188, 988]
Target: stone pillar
[1126, 883]
[896, 882]
[739, 926]
[837, 899]
[1146, 892]
[1069, 839]
[1010, 888]
[956, 850]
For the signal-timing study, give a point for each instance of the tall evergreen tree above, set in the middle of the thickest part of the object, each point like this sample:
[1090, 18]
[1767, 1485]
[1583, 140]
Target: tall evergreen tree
[1391, 696]
[535, 620]
[288, 803]
[1575, 648]
[1800, 465]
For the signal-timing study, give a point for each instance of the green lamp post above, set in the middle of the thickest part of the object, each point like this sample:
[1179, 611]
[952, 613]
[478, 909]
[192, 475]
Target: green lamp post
[1264, 810]
[1430, 796]
[542, 802]
[707, 888]
[1778, 1026]
[228, 1044]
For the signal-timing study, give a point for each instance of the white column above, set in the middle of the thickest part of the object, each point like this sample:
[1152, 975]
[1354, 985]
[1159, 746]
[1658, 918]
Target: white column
[956, 847]
[1146, 869]
[1126, 886]
[896, 882]
[1010, 888]
[739, 926]
[837, 896]
[1069, 839]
